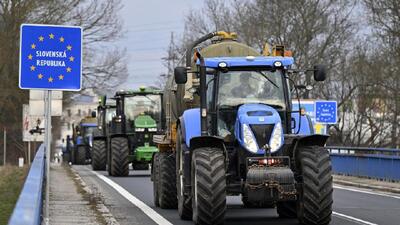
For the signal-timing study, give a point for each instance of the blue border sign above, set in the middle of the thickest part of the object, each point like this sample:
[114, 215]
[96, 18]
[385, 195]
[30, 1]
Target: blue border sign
[326, 112]
[50, 57]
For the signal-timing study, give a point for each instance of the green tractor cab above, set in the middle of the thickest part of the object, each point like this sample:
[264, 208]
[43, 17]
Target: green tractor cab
[130, 138]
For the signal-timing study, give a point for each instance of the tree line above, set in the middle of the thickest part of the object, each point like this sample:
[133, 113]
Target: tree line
[104, 67]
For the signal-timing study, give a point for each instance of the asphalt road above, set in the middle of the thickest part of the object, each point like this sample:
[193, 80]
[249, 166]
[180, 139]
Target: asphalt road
[351, 206]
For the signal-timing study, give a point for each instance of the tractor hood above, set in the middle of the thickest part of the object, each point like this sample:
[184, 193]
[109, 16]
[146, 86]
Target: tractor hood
[144, 121]
[258, 127]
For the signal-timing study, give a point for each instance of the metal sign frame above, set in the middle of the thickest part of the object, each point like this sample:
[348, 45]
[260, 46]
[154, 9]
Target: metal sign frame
[81, 58]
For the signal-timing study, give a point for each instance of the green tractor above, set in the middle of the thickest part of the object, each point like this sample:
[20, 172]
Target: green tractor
[105, 112]
[130, 138]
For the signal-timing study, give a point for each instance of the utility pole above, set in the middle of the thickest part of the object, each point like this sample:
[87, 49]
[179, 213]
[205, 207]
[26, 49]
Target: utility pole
[5, 147]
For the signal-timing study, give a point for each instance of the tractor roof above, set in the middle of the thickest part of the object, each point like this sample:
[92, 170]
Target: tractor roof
[141, 91]
[248, 61]
[89, 122]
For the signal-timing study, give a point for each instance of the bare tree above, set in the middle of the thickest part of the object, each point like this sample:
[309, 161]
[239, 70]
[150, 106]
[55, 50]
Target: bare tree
[385, 19]
[103, 68]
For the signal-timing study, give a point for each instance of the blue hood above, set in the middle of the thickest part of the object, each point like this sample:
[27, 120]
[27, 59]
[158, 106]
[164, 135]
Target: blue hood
[255, 114]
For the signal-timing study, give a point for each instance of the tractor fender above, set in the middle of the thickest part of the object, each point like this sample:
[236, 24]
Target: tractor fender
[308, 140]
[190, 124]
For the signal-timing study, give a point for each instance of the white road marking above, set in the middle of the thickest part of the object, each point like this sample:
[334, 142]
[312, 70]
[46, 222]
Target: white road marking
[353, 219]
[157, 218]
[366, 192]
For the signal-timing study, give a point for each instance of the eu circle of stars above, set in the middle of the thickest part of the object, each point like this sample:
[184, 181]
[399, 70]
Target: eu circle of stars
[42, 75]
[325, 112]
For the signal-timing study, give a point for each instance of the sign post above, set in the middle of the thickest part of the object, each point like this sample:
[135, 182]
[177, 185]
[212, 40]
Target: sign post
[50, 59]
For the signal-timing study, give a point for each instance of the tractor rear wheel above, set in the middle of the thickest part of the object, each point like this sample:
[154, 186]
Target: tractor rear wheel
[286, 209]
[99, 155]
[315, 194]
[80, 155]
[156, 177]
[119, 157]
[167, 181]
[208, 186]
[184, 202]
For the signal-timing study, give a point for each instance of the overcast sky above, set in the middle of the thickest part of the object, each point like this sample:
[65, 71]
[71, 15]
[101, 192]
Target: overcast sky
[148, 25]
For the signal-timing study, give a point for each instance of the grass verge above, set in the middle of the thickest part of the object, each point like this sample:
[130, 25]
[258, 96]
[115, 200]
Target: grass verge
[11, 181]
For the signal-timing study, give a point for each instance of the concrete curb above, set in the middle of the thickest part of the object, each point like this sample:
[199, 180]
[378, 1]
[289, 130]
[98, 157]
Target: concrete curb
[367, 186]
[97, 198]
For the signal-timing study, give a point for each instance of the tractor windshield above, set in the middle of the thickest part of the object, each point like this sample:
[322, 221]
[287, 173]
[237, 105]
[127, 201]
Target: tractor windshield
[88, 131]
[261, 86]
[110, 113]
[143, 104]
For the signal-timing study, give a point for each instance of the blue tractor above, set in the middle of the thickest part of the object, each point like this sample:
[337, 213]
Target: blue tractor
[82, 140]
[243, 138]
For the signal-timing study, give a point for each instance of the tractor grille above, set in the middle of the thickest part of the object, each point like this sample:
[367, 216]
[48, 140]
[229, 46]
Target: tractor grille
[262, 133]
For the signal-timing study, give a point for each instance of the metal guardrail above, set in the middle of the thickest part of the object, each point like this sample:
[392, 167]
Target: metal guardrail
[376, 163]
[28, 209]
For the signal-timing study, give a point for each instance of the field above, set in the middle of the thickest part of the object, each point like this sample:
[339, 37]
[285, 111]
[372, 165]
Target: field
[11, 182]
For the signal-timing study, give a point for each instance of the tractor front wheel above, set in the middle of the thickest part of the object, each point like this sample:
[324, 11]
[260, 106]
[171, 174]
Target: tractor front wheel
[315, 194]
[156, 177]
[167, 181]
[99, 155]
[184, 202]
[80, 155]
[119, 157]
[208, 186]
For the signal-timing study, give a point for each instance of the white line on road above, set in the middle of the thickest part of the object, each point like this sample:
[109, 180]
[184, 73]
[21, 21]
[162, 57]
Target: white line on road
[141, 205]
[353, 219]
[366, 192]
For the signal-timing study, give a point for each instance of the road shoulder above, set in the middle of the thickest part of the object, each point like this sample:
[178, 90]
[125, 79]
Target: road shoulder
[372, 184]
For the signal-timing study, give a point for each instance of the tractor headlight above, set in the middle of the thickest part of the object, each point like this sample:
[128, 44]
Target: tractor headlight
[276, 138]
[248, 139]
[139, 129]
[153, 129]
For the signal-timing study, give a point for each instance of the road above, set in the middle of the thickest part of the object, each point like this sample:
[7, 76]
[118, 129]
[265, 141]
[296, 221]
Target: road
[130, 200]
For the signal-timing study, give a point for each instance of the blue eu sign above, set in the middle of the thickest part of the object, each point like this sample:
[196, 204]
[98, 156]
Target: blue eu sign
[50, 57]
[326, 112]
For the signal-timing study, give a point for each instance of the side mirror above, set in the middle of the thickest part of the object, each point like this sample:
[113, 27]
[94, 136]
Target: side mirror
[319, 72]
[94, 114]
[180, 74]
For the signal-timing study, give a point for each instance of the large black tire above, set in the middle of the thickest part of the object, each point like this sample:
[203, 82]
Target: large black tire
[119, 157]
[80, 155]
[109, 158]
[167, 181]
[156, 176]
[208, 186]
[184, 202]
[315, 194]
[286, 209]
[99, 155]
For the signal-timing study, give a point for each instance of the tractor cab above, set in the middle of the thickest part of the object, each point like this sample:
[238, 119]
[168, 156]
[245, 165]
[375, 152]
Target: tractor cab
[137, 119]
